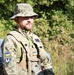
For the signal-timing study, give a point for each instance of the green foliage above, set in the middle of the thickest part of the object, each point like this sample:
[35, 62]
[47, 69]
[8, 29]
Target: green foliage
[54, 25]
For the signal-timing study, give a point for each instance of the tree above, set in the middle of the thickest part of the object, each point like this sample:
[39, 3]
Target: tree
[55, 27]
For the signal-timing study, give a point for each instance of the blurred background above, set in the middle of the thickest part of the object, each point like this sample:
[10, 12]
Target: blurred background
[54, 25]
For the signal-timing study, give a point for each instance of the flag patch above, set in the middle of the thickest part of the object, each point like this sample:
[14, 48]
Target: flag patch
[7, 54]
[34, 53]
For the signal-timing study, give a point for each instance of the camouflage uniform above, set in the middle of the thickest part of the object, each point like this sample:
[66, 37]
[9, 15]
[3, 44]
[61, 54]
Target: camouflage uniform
[13, 50]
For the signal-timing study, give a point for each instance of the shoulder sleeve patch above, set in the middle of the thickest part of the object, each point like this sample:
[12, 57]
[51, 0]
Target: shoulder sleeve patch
[7, 58]
[7, 54]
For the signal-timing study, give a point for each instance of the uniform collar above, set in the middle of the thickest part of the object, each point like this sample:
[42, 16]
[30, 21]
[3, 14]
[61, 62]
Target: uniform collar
[26, 33]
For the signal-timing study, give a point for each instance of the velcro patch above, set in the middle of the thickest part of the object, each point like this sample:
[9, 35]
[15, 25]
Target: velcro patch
[37, 40]
[7, 60]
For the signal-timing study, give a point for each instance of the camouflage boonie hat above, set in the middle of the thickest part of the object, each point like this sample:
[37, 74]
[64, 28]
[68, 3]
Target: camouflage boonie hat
[23, 10]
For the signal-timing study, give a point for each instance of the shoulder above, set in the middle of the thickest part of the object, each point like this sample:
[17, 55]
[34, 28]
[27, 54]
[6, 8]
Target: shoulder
[9, 38]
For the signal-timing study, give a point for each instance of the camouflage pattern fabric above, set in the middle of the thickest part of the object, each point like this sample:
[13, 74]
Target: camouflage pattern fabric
[10, 54]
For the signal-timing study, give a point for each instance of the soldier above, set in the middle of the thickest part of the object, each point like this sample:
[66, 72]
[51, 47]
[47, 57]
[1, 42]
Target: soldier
[23, 52]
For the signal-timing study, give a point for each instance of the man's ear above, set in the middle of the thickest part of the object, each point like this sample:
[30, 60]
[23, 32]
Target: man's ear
[16, 19]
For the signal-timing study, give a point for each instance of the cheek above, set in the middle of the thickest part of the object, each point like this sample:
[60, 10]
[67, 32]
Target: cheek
[32, 20]
[23, 23]
[26, 22]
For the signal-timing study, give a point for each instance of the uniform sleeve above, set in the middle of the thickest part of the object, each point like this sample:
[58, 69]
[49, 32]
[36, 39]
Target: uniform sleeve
[9, 56]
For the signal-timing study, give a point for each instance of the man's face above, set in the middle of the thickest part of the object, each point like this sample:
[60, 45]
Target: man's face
[25, 22]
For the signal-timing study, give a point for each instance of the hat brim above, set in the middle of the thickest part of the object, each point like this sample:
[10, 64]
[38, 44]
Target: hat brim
[24, 15]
